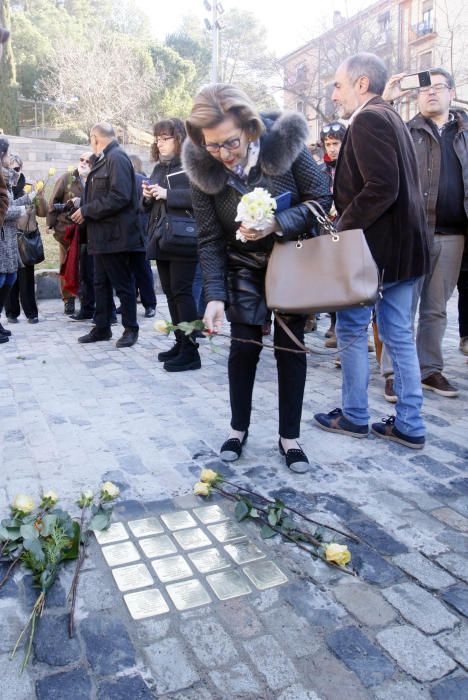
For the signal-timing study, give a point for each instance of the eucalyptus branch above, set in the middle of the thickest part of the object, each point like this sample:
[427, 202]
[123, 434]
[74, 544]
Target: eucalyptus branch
[76, 576]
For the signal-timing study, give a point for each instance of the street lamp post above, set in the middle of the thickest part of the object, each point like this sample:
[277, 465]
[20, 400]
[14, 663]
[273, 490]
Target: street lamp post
[214, 27]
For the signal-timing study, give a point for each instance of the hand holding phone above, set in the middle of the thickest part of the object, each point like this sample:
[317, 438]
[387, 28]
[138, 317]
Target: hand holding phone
[414, 81]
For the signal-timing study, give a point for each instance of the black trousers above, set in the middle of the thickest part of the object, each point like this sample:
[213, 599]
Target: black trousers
[86, 294]
[112, 270]
[462, 286]
[291, 367]
[141, 269]
[177, 281]
[23, 291]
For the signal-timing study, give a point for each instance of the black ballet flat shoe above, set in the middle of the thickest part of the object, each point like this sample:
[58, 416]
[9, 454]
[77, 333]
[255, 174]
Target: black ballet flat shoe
[232, 448]
[296, 459]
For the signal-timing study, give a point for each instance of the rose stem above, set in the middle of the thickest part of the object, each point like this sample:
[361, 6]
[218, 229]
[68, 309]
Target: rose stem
[74, 586]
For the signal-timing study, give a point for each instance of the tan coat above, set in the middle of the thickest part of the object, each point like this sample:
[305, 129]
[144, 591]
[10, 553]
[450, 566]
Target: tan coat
[67, 186]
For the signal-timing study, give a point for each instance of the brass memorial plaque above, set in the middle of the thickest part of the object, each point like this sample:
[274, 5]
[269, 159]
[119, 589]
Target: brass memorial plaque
[226, 532]
[209, 560]
[114, 533]
[264, 574]
[157, 546]
[178, 521]
[244, 552]
[192, 539]
[128, 578]
[145, 527]
[188, 594]
[228, 584]
[146, 603]
[122, 553]
[172, 568]
[210, 514]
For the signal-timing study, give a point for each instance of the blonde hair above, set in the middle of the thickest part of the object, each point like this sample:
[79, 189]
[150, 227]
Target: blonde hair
[218, 101]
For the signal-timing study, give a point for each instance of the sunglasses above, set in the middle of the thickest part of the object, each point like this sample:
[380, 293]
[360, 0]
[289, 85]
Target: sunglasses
[331, 127]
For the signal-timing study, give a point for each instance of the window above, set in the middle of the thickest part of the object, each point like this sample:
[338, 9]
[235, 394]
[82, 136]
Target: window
[301, 72]
[425, 60]
[301, 106]
[383, 22]
[427, 15]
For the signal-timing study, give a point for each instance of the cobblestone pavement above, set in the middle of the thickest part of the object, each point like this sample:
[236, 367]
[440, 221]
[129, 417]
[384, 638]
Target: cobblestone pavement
[72, 415]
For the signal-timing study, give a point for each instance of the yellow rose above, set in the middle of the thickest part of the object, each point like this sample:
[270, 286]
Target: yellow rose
[27, 189]
[70, 169]
[160, 326]
[39, 186]
[50, 496]
[23, 503]
[337, 554]
[208, 476]
[109, 491]
[52, 172]
[201, 489]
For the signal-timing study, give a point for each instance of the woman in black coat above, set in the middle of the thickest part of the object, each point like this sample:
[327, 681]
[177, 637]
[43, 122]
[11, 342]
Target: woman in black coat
[164, 193]
[232, 150]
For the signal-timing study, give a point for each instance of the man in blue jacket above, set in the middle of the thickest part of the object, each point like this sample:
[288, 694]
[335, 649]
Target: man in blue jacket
[111, 214]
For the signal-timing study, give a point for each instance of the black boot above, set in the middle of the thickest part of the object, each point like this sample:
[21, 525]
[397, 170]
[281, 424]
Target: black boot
[4, 291]
[188, 357]
[174, 351]
[69, 306]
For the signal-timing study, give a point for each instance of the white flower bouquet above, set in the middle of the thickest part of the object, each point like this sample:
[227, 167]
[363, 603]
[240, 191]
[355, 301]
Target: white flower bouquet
[255, 210]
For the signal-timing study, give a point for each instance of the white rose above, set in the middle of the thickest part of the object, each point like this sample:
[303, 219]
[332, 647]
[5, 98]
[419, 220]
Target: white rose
[109, 490]
[23, 503]
[50, 496]
[160, 326]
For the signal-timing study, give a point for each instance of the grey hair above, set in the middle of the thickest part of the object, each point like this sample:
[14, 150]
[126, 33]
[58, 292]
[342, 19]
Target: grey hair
[17, 159]
[103, 129]
[448, 76]
[370, 66]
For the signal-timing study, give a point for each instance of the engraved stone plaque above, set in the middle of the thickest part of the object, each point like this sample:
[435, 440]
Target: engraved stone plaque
[145, 527]
[192, 539]
[128, 578]
[172, 568]
[146, 603]
[157, 546]
[210, 514]
[228, 584]
[226, 532]
[114, 533]
[265, 574]
[209, 560]
[122, 553]
[188, 594]
[244, 552]
[178, 520]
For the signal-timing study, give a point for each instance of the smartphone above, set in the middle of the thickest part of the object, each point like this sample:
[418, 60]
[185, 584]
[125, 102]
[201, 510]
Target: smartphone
[416, 80]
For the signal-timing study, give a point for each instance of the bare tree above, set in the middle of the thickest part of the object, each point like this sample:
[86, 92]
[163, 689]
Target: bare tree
[110, 81]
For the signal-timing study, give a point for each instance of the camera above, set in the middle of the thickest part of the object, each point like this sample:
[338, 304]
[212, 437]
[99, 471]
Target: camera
[66, 207]
[416, 80]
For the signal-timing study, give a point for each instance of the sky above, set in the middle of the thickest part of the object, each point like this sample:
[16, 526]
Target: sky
[289, 23]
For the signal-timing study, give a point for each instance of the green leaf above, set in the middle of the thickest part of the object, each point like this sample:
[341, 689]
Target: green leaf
[35, 549]
[13, 533]
[48, 523]
[198, 325]
[11, 522]
[287, 523]
[29, 532]
[254, 513]
[266, 532]
[241, 510]
[272, 518]
[73, 551]
[4, 536]
[100, 521]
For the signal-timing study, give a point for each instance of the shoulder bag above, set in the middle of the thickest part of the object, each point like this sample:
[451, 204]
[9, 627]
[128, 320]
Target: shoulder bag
[30, 246]
[331, 272]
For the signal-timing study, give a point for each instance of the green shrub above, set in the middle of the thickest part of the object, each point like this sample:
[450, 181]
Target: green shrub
[73, 136]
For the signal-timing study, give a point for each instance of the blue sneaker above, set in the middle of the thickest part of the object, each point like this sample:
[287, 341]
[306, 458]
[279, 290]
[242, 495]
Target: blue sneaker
[335, 422]
[386, 429]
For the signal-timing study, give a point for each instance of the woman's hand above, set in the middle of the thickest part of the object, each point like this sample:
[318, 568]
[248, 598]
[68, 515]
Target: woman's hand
[255, 234]
[214, 316]
[159, 192]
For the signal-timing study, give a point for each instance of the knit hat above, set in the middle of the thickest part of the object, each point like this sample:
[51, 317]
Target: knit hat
[4, 146]
[4, 35]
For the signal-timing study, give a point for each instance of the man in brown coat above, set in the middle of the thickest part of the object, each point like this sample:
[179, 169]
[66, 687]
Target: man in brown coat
[376, 188]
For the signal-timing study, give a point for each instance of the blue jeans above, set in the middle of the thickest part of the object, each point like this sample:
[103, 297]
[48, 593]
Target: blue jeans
[7, 278]
[394, 321]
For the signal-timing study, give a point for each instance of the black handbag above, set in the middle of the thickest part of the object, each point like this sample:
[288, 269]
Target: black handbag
[30, 247]
[178, 235]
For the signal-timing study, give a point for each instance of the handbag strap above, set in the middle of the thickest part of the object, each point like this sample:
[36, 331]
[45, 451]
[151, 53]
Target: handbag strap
[312, 351]
[322, 217]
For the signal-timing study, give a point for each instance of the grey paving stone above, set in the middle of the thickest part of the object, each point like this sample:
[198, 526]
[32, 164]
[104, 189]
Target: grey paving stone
[298, 692]
[402, 690]
[210, 643]
[374, 535]
[15, 685]
[271, 661]
[170, 666]
[361, 656]
[365, 603]
[432, 466]
[316, 606]
[455, 688]
[291, 631]
[13, 619]
[456, 564]
[429, 574]
[237, 682]
[451, 518]
[74, 684]
[125, 688]
[240, 619]
[372, 567]
[457, 597]
[456, 643]
[415, 653]
[52, 644]
[108, 646]
[9, 588]
[420, 608]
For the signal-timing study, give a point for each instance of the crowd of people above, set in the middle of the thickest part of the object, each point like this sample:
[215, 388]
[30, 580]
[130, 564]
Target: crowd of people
[405, 185]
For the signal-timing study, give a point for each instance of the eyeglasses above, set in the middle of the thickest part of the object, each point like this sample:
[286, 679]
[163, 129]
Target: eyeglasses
[84, 160]
[438, 87]
[163, 139]
[229, 145]
[331, 127]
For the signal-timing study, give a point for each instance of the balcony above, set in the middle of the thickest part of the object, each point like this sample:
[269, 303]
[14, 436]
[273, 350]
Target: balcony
[421, 31]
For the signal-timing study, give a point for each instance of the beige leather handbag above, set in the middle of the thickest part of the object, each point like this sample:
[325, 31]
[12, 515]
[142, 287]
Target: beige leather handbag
[331, 272]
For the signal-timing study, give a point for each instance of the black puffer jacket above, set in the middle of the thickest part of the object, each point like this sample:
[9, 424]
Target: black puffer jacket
[234, 272]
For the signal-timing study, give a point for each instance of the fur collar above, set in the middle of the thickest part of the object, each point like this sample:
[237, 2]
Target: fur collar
[280, 145]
